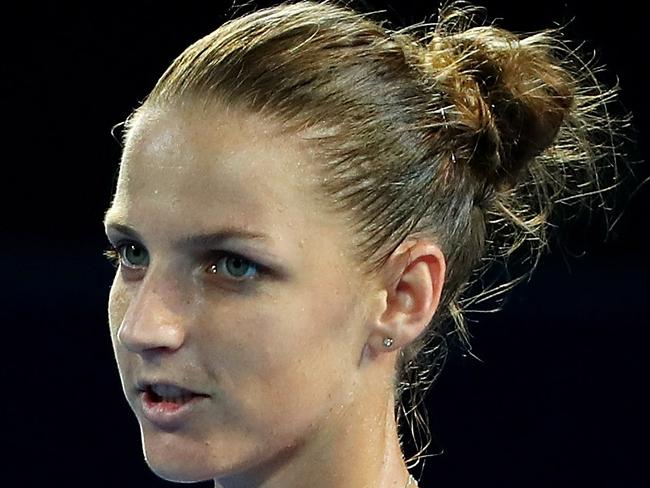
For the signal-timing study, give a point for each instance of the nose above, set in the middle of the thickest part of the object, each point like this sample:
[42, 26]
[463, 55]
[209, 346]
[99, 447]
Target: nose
[153, 319]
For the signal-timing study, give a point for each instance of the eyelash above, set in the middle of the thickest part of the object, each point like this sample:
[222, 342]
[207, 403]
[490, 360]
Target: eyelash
[113, 255]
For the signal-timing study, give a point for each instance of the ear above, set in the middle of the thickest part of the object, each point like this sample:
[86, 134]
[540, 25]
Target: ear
[413, 279]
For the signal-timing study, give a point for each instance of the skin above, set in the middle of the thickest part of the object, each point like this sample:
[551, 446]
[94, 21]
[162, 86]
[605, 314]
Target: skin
[298, 380]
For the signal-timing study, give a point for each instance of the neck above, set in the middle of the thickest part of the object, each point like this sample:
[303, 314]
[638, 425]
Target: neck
[356, 448]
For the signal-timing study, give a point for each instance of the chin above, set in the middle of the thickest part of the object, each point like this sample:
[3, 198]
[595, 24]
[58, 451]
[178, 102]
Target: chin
[172, 459]
[175, 458]
[179, 470]
[178, 476]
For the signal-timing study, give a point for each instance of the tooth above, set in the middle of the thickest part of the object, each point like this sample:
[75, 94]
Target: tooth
[181, 399]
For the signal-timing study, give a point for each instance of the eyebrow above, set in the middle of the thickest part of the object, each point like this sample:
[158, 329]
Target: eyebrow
[198, 240]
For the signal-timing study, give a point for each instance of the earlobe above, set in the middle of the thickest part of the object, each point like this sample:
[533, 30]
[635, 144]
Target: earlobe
[379, 344]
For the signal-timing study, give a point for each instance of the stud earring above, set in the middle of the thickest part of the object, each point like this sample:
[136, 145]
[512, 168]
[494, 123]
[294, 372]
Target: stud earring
[388, 341]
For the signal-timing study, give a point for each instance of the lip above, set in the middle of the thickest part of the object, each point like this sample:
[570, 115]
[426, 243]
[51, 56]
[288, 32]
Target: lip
[144, 385]
[168, 415]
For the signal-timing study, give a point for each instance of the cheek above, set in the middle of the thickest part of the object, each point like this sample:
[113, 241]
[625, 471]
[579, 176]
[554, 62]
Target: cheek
[118, 303]
[294, 356]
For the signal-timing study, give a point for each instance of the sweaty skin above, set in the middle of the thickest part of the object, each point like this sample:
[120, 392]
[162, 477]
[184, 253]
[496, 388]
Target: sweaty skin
[285, 348]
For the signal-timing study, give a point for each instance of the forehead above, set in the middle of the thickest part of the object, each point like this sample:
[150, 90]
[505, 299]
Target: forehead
[195, 168]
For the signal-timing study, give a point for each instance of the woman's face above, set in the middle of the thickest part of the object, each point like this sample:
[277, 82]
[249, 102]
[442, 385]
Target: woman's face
[270, 328]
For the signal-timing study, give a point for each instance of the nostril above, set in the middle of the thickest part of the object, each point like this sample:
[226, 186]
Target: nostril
[144, 336]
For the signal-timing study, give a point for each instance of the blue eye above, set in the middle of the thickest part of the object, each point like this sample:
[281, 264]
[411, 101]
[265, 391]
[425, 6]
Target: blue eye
[235, 266]
[133, 255]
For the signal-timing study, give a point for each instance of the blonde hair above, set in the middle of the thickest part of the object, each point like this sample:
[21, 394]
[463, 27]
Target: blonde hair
[469, 135]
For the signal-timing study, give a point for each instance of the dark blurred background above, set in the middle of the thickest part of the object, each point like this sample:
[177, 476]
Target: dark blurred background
[559, 397]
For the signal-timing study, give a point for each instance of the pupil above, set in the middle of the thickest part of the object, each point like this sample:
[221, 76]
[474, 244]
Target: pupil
[134, 254]
[238, 265]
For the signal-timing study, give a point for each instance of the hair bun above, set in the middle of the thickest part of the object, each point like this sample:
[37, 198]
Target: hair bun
[510, 97]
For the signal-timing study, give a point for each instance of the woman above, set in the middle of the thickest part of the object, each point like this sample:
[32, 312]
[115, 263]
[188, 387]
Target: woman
[303, 201]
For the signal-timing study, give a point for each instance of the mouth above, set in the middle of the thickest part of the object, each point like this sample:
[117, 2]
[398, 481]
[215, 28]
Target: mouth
[168, 406]
[163, 393]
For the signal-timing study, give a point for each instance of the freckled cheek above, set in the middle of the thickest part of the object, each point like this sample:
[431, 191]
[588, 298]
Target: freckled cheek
[272, 374]
[249, 342]
[293, 358]
[252, 343]
[118, 303]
